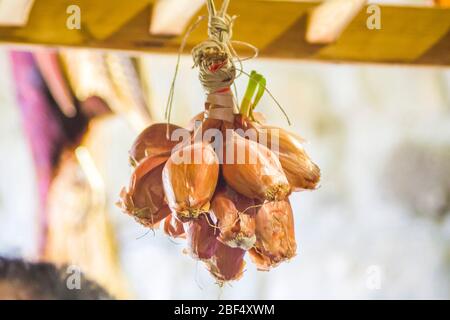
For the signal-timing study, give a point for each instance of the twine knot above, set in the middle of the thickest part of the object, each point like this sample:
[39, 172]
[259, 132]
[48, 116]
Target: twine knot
[221, 28]
[216, 70]
[214, 57]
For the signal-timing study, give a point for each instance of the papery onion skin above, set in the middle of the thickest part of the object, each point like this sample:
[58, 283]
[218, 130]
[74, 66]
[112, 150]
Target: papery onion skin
[301, 172]
[298, 167]
[154, 220]
[202, 237]
[144, 198]
[207, 131]
[155, 140]
[192, 123]
[262, 262]
[260, 176]
[189, 183]
[275, 236]
[227, 264]
[173, 227]
[235, 215]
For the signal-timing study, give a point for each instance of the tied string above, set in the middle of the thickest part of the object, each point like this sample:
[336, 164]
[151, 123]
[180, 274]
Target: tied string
[217, 71]
[216, 57]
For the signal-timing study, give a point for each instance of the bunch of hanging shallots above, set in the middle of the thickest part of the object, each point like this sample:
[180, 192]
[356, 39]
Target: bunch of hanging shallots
[225, 192]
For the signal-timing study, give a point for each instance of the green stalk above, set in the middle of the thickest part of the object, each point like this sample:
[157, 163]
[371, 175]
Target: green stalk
[261, 89]
[249, 92]
[256, 81]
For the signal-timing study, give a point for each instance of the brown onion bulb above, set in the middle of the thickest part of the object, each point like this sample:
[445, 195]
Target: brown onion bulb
[155, 141]
[275, 237]
[300, 171]
[189, 178]
[144, 199]
[235, 215]
[253, 170]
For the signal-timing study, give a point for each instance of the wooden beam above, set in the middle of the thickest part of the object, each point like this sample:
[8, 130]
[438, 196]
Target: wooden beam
[443, 3]
[408, 35]
[329, 20]
[15, 12]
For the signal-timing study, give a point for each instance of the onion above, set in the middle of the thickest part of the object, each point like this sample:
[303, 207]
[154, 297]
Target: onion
[235, 215]
[144, 199]
[275, 237]
[253, 170]
[300, 171]
[155, 140]
[226, 264]
[201, 237]
[189, 178]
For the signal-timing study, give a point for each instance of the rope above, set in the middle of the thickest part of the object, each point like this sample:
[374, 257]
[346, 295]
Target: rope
[216, 56]
[216, 59]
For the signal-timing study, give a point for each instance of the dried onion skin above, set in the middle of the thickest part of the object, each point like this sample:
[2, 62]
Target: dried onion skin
[275, 236]
[235, 215]
[300, 171]
[202, 237]
[227, 264]
[155, 140]
[173, 227]
[253, 170]
[144, 199]
[190, 178]
[298, 167]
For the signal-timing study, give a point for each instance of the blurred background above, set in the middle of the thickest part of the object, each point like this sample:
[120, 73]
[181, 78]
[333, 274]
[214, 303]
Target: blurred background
[377, 228]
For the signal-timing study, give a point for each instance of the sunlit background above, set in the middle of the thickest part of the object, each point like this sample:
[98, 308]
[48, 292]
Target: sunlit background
[378, 227]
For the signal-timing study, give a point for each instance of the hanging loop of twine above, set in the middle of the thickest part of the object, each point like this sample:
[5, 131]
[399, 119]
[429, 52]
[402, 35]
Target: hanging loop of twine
[221, 28]
[216, 59]
[215, 56]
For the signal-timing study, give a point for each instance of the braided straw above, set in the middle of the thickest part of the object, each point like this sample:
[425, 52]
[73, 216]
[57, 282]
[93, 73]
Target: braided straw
[214, 57]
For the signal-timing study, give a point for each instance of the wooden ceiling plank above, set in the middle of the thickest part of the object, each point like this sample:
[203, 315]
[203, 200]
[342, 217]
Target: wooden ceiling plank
[330, 19]
[401, 38]
[278, 28]
[15, 12]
